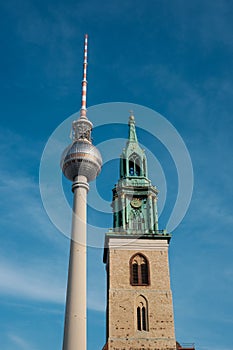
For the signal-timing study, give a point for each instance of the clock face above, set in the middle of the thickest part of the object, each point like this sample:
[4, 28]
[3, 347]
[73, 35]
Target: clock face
[136, 203]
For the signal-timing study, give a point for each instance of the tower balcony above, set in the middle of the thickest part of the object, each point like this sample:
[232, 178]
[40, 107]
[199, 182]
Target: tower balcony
[135, 232]
[185, 346]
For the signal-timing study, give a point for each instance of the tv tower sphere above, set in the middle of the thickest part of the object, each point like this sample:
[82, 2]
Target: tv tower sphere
[81, 157]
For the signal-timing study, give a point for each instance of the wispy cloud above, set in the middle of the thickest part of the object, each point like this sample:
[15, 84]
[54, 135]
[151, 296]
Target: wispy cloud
[96, 299]
[27, 274]
[42, 281]
[20, 202]
[206, 22]
[20, 342]
[35, 282]
[21, 206]
[54, 34]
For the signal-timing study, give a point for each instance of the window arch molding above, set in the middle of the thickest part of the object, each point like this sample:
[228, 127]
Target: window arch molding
[139, 270]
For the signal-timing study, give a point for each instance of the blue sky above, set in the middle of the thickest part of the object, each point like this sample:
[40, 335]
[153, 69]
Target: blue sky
[174, 57]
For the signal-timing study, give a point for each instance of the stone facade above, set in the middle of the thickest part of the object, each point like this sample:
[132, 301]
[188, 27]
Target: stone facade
[122, 332]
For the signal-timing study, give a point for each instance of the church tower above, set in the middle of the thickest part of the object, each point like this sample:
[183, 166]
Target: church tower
[139, 298]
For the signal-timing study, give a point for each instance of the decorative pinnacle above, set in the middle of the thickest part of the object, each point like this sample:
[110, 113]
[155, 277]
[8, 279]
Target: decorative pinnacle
[83, 111]
[132, 130]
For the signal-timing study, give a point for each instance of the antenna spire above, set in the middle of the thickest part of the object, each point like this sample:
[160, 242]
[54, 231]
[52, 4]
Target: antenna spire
[81, 128]
[83, 110]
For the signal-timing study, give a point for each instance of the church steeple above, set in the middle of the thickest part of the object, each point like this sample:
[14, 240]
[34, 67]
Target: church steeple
[133, 158]
[139, 299]
[134, 197]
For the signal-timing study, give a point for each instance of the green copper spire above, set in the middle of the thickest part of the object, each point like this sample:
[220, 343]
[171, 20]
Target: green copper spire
[134, 197]
[133, 158]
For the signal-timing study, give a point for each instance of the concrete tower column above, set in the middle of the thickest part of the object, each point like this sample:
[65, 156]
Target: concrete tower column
[75, 317]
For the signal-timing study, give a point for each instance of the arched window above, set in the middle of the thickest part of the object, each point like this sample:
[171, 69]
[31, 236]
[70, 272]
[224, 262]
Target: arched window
[134, 165]
[142, 314]
[139, 270]
[131, 168]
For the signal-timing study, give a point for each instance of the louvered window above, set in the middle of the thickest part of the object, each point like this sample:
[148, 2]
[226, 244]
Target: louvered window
[139, 271]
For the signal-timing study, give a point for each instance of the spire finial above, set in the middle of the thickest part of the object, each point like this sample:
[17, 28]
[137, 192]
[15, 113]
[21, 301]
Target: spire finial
[83, 111]
[132, 131]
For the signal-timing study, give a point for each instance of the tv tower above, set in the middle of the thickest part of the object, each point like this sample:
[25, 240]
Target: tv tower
[81, 163]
